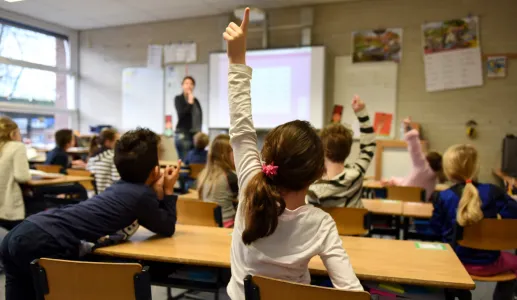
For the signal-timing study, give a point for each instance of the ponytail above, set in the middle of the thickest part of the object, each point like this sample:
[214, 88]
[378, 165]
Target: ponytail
[263, 206]
[94, 146]
[469, 209]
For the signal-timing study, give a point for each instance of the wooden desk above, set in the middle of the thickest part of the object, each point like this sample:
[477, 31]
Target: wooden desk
[383, 207]
[35, 181]
[373, 259]
[166, 163]
[78, 150]
[417, 210]
[376, 184]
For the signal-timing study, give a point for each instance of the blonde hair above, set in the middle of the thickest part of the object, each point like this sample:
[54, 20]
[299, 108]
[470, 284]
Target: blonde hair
[460, 164]
[7, 127]
[219, 162]
[200, 140]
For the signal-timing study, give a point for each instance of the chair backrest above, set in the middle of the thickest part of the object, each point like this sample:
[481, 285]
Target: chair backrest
[488, 234]
[48, 168]
[258, 287]
[350, 221]
[88, 185]
[63, 280]
[195, 170]
[405, 193]
[196, 212]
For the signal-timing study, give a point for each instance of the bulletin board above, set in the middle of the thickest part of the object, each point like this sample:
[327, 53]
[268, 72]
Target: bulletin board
[375, 83]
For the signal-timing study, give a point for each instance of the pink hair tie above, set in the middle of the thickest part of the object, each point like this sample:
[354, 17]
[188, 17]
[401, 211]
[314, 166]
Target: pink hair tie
[270, 170]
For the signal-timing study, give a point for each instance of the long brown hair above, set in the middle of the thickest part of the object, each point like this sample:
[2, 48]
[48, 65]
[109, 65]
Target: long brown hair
[219, 162]
[298, 152]
[7, 127]
[460, 164]
[97, 142]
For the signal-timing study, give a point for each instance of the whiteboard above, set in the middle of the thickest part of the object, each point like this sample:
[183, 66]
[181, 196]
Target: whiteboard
[174, 76]
[375, 83]
[142, 99]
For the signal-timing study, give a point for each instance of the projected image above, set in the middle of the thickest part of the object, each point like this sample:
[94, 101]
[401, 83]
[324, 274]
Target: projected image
[284, 87]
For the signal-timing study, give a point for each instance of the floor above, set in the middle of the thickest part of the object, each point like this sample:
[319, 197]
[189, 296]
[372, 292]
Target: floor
[482, 292]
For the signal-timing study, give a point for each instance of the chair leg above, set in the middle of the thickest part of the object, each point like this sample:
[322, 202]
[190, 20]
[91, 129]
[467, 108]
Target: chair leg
[452, 294]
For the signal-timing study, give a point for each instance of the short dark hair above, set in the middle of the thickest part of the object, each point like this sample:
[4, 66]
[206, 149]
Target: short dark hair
[435, 161]
[63, 137]
[191, 79]
[337, 142]
[136, 155]
[201, 140]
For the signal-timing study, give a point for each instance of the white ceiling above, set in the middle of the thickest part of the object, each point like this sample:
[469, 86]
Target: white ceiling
[87, 14]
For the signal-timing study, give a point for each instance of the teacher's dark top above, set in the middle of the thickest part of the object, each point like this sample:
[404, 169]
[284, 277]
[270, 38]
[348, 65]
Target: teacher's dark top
[190, 116]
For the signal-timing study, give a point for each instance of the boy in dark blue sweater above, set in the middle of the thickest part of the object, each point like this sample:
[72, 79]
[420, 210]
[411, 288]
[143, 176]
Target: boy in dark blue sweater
[62, 233]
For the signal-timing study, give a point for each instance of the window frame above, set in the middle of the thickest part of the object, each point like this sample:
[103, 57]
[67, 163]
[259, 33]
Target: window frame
[72, 36]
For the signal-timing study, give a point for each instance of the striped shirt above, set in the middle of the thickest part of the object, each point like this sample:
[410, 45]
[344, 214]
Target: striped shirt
[103, 168]
[344, 190]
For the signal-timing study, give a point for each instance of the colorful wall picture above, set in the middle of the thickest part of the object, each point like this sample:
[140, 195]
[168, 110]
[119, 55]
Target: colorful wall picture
[337, 113]
[382, 123]
[377, 45]
[496, 66]
[451, 35]
[168, 126]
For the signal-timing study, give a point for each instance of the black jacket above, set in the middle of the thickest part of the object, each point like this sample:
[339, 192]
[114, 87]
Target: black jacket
[184, 110]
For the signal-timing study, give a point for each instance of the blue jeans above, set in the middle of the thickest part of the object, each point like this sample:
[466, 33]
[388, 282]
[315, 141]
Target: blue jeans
[184, 143]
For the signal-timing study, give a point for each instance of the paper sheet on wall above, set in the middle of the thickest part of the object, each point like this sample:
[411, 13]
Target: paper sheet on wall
[154, 56]
[375, 83]
[452, 54]
[180, 53]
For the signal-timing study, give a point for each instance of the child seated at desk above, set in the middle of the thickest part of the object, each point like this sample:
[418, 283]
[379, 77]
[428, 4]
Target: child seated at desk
[65, 139]
[341, 185]
[59, 233]
[14, 169]
[468, 202]
[427, 168]
[276, 233]
[198, 155]
[101, 162]
[218, 181]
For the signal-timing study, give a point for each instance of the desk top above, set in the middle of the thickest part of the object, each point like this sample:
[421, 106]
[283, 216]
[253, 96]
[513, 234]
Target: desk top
[376, 184]
[417, 210]
[36, 181]
[372, 259]
[383, 207]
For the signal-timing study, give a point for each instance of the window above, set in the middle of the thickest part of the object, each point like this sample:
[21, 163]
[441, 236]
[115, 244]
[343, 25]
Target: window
[37, 86]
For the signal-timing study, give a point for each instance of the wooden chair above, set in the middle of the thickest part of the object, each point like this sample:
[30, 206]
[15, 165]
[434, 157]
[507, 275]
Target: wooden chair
[350, 221]
[489, 234]
[89, 185]
[63, 280]
[405, 193]
[196, 212]
[48, 168]
[195, 170]
[264, 288]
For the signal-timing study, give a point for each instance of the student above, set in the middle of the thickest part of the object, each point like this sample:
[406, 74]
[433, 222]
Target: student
[14, 169]
[276, 234]
[468, 202]
[427, 168]
[64, 140]
[341, 185]
[101, 162]
[58, 233]
[198, 155]
[218, 181]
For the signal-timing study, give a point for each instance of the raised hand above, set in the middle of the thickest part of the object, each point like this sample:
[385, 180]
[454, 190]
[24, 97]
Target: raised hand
[158, 187]
[171, 175]
[357, 104]
[407, 122]
[235, 37]
[190, 97]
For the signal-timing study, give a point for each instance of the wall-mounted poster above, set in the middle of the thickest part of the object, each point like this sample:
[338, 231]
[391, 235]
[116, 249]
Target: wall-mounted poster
[377, 45]
[337, 112]
[382, 123]
[452, 54]
[496, 66]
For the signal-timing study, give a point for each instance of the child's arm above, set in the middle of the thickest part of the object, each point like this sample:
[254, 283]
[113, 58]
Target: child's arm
[412, 138]
[159, 216]
[21, 164]
[506, 205]
[242, 132]
[367, 139]
[439, 216]
[336, 261]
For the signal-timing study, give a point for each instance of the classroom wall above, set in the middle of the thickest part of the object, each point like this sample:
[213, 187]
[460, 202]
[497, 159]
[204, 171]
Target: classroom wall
[105, 52]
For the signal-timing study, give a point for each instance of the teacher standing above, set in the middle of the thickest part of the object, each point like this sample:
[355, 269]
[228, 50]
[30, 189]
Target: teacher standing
[190, 117]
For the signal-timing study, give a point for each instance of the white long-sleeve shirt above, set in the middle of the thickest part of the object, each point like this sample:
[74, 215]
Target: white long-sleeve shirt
[14, 169]
[301, 233]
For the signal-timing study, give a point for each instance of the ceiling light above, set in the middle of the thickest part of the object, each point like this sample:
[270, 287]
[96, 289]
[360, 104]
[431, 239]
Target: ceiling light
[13, 1]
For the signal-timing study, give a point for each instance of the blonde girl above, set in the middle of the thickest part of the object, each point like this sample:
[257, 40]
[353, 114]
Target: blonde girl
[467, 203]
[14, 169]
[218, 181]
